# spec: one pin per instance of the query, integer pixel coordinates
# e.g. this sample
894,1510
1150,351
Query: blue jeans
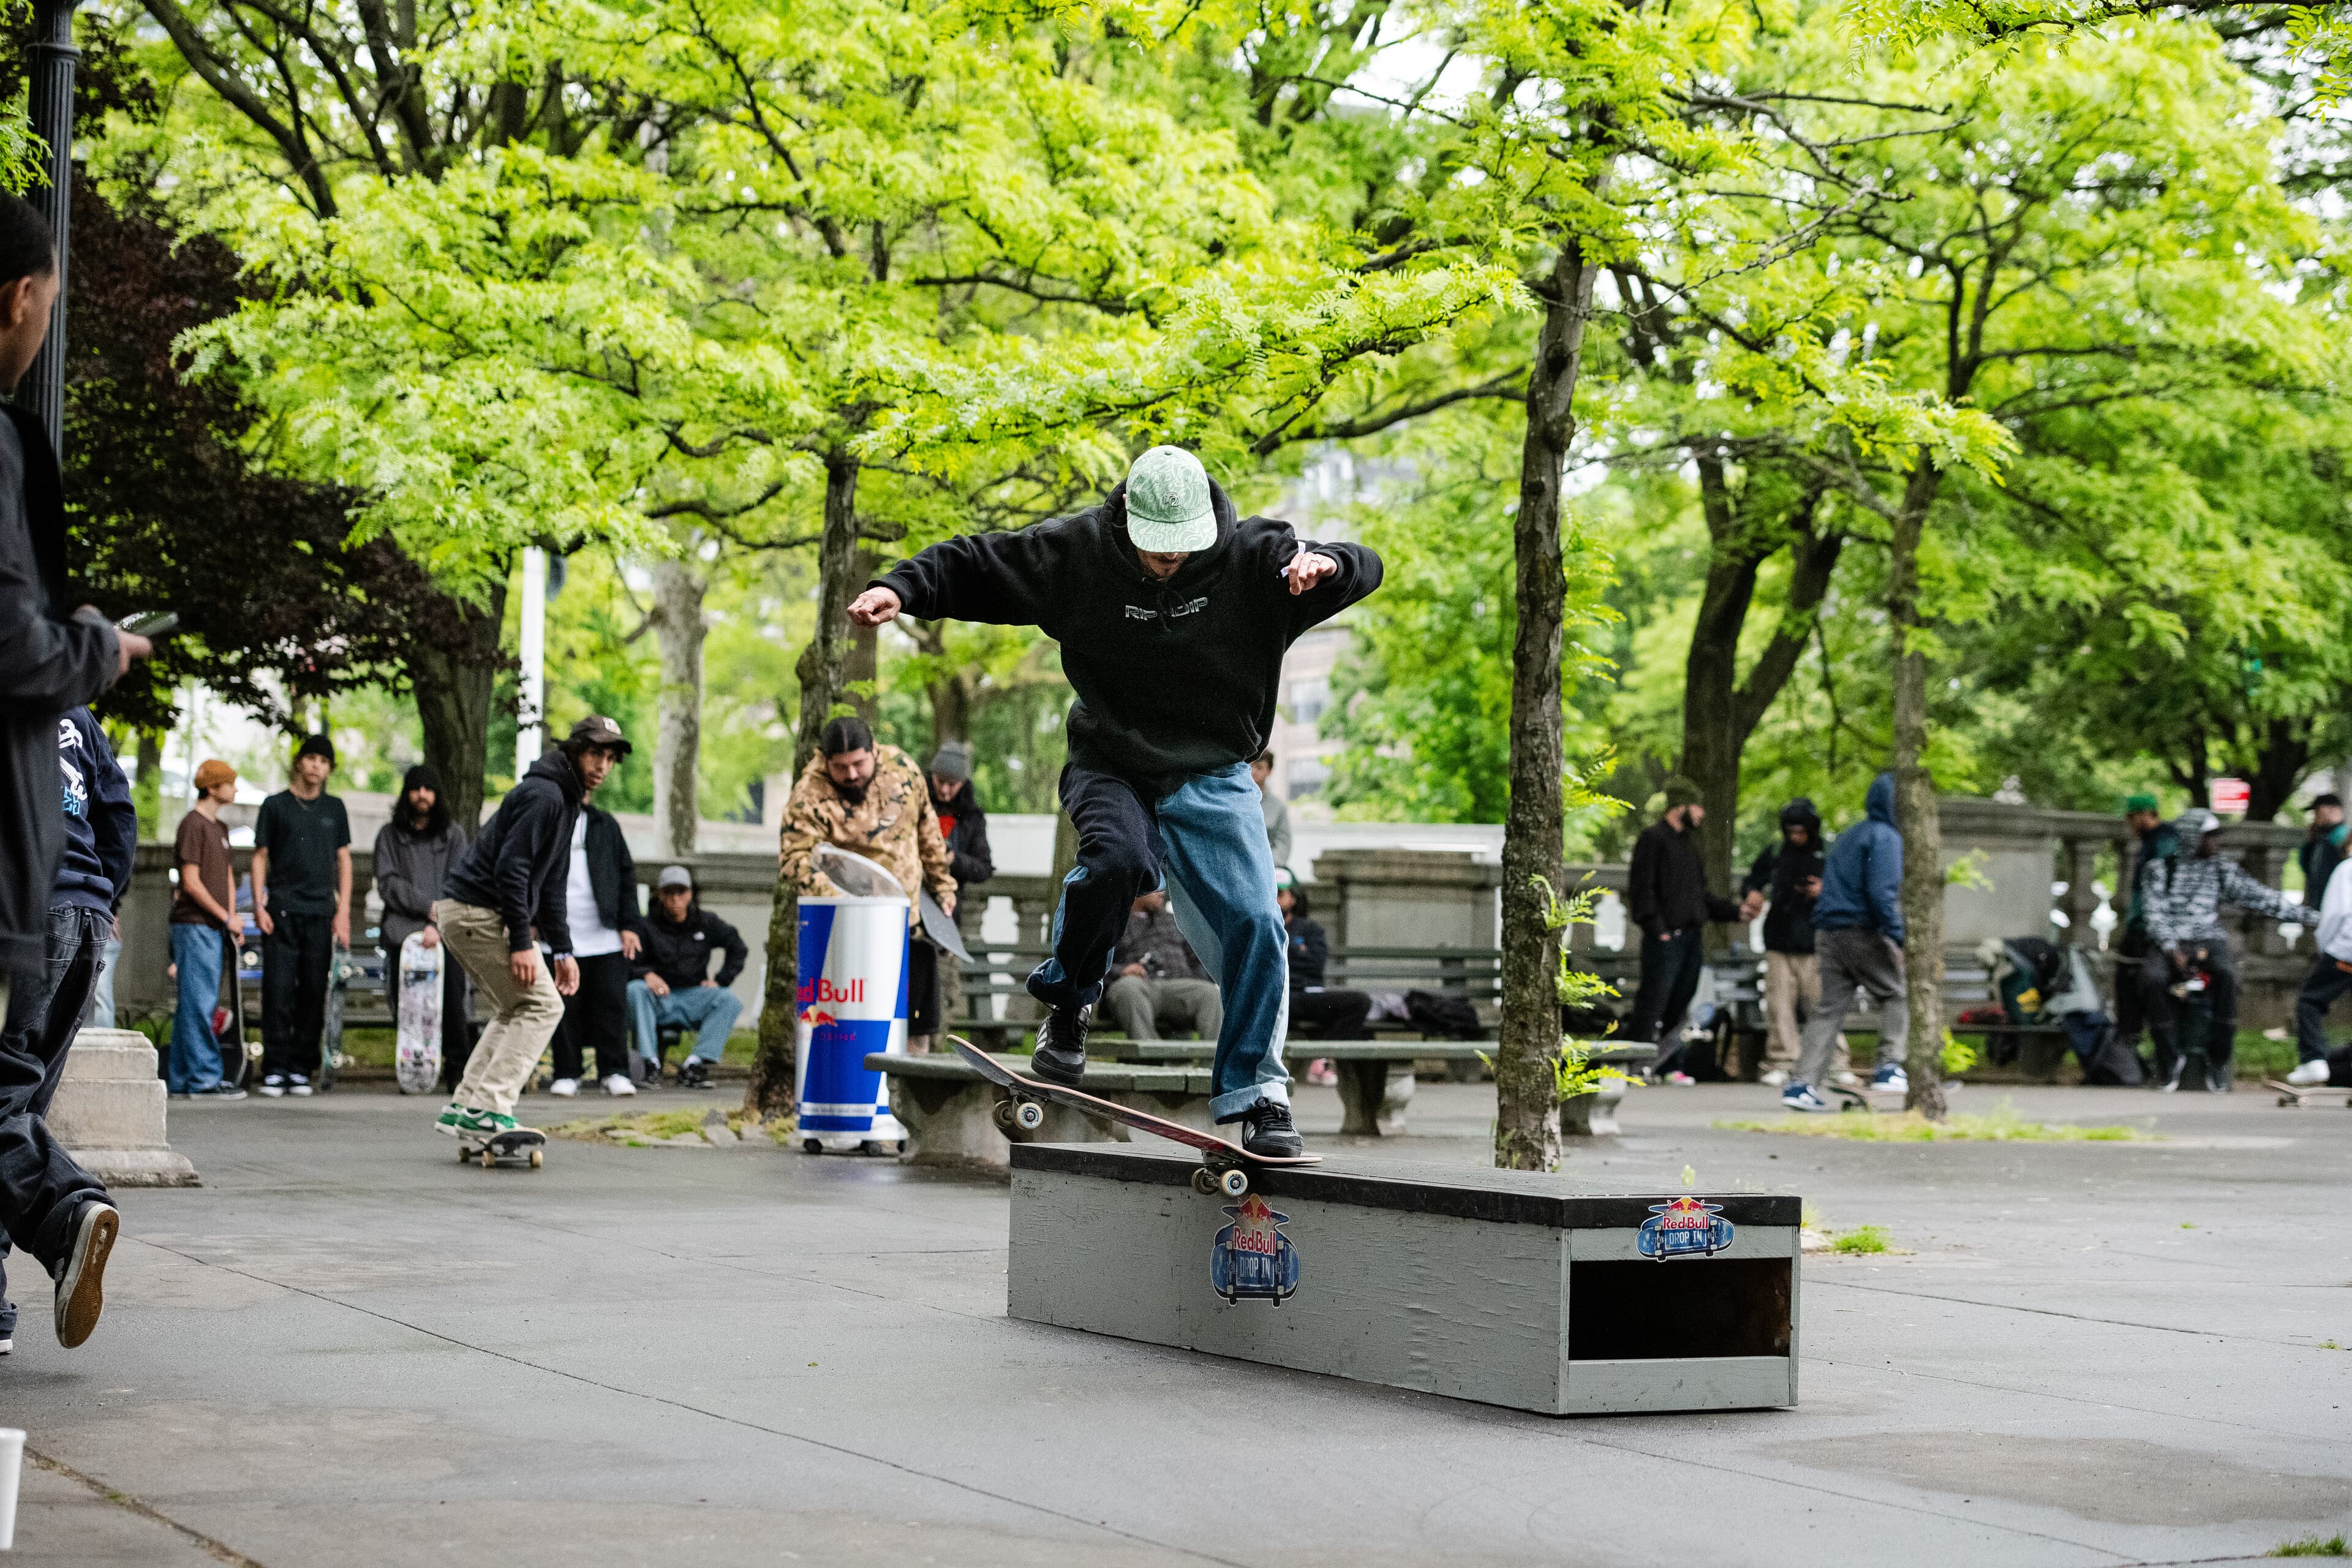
42,1187
1205,842
195,1059
710,1011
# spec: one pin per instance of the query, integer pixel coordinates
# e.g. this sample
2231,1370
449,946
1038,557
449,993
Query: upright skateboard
237,1055
524,1145
417,1051
1225,1164
2301,1095
331,1039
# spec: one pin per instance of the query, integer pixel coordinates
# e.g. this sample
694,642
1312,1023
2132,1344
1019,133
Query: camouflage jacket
894,826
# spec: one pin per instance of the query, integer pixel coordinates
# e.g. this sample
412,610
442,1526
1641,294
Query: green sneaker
452,1117
458,1120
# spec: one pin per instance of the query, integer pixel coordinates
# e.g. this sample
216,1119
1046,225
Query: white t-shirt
591,937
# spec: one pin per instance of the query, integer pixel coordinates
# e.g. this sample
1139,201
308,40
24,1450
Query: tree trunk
677,742
861,667
2285,757
1914,805
1720,708
454,679
950,692
147,793
1527,1109
770,1093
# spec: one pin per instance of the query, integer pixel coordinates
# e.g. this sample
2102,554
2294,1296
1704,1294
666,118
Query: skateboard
238,1056
1868,1099
2301,1095
331,1039
526,1144
1225,1164
417,1056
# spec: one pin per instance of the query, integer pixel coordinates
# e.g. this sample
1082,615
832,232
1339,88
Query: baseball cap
674,877
1168,505
599,731
212,773
2196,823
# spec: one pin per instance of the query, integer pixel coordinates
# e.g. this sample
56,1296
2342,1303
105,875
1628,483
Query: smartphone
153,623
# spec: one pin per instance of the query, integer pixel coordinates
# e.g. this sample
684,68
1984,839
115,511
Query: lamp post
52,95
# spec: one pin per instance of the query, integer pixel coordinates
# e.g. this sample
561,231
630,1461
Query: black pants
595,1017
2131,1006
1119,862
2165,1011
1326,1014
2321,988
41,1186
459,1030
295,959
1669,972
922,989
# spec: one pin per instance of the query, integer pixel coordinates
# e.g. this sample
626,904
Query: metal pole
52,94
528,735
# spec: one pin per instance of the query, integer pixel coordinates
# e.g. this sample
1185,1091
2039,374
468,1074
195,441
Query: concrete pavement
347,1348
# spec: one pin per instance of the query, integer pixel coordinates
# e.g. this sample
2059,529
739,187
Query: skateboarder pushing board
1173,614
510,880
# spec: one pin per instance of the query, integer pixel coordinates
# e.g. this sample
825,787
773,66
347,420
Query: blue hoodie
101,825
1862,886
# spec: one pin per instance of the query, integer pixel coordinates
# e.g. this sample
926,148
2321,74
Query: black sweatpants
295,959
2322,988
922,989
596,1017
41,1186
1326,1015
1670,973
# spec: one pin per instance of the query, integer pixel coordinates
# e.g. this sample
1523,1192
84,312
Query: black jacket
519,863
680,953
1779,874
2321,851
1666,885
968,855
53,661
1310,953
611,872
1172,677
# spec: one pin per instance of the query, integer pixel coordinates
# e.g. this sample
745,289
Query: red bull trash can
852,1003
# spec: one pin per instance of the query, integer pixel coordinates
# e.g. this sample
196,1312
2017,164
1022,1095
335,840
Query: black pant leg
605,986
282,994
40,1183
2163,1009
571,1028
1658,961
318,948
1119,860
1328,1015
1688,959
2322,989
457,1022
2222,993
922,989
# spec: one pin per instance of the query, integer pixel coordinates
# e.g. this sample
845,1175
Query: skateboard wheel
1233,1183
1029,1116
1004,1116
538,1158
464,1155
488,1159
1204,1183
812,1146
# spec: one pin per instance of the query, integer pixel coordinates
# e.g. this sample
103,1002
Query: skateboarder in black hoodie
1173,614
509,877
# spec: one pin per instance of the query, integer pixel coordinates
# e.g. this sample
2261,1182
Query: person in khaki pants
1784,880
509,880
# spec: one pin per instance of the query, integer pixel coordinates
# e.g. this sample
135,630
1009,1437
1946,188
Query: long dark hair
436,818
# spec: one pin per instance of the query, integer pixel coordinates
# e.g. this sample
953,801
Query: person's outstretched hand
874,607
1307,568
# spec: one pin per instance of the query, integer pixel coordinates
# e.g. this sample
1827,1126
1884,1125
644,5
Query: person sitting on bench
1317,1012
673,987
1156,979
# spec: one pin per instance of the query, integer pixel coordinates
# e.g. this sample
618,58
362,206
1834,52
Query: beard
853,794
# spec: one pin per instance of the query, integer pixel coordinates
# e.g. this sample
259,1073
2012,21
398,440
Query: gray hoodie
412,869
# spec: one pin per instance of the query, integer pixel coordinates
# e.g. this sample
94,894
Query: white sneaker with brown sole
81,1293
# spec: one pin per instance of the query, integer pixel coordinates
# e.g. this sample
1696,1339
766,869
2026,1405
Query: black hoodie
524,855
1172,677
1779,874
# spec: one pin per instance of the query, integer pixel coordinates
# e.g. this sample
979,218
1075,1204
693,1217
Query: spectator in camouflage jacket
870,800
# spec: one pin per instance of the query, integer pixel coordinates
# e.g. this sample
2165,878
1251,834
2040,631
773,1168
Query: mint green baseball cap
1168,505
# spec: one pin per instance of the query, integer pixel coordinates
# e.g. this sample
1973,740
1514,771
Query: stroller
2041,983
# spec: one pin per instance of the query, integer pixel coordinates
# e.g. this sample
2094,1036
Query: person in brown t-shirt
203,931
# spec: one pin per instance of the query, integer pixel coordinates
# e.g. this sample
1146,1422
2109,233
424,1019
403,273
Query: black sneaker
1061,1056
1268,1131
694,1073
81,1275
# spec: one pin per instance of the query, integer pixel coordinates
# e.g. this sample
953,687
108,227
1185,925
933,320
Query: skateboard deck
331,1039
2301,1095
236,1057
1225,1164
527,1146
417,1054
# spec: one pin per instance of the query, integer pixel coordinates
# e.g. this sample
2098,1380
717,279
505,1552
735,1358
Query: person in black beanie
1668,897
302,901
414,854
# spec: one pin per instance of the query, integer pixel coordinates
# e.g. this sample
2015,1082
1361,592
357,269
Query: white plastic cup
12,1457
